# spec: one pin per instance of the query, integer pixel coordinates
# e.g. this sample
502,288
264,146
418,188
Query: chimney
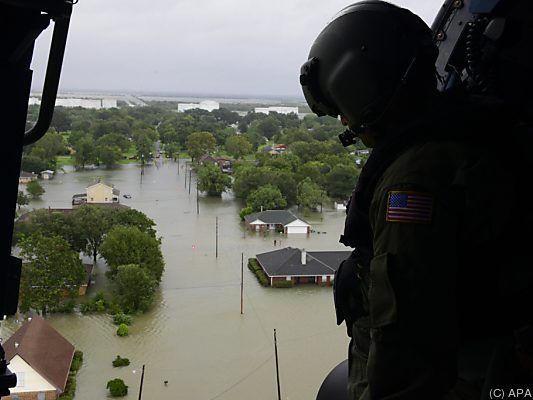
261,208
304,257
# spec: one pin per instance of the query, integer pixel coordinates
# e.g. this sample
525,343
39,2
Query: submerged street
194,336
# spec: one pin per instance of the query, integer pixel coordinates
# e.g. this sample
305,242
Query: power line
242,379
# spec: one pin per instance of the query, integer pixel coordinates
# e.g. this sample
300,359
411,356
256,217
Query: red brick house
301,266
41,358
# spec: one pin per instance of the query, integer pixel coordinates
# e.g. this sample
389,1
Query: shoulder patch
409,207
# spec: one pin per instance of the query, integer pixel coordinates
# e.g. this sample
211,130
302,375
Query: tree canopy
212,180
50,269
125,245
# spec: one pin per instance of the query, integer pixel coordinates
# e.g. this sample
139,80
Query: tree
200,143
33,163
134,288
61,120
108,155
131,217
117,387
91,223
144,145
238,146
128,245
50,269
340,180
35,190
22,199
50,223
268,127
84,152
212,180
172,150
266,198
310,195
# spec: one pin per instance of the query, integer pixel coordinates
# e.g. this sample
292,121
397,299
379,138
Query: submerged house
278,220
301,266
99,193
41,359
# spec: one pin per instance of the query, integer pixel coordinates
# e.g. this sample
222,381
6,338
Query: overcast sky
220,47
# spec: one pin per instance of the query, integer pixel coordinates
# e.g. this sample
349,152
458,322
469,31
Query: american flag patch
415,207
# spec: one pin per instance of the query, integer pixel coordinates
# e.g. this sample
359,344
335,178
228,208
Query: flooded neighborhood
194,342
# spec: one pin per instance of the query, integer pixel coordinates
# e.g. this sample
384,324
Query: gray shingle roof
282,217
287,261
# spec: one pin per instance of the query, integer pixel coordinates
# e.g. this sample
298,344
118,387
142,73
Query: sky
194,47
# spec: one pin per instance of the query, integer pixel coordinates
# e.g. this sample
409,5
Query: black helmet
362,58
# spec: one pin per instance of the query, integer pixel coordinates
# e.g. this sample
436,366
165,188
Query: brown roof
44,349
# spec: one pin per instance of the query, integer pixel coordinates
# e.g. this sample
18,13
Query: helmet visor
311,89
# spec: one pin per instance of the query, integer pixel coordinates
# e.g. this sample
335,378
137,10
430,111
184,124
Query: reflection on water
195,337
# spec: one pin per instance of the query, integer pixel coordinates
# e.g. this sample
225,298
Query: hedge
254,266
283,284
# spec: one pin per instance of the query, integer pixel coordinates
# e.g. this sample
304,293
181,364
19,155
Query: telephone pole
277,366
216,238
141,386
242,282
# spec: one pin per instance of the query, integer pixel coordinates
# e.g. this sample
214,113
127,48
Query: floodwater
194,336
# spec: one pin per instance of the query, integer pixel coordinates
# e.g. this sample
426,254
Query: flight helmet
366,56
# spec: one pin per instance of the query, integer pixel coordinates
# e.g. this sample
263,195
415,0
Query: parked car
127,196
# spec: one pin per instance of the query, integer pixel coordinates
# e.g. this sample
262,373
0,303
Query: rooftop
288,261
282,217
44,349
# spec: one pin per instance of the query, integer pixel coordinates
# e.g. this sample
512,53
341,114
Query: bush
121,318
63,307
254,266
97,304
121,362
122,330
117,387
77,361
283,284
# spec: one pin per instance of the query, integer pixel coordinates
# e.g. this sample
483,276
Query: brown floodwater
194,336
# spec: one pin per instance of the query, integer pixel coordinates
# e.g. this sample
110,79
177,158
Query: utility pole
242,281
185,175
197,199
190,175
141,386
178,163
277,366
216,238
142,167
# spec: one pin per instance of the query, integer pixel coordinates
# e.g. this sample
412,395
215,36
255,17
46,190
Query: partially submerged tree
212,180
50,270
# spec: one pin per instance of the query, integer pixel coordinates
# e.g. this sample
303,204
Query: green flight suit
430,204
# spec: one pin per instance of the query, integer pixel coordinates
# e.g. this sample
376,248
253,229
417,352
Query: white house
41,359
280,220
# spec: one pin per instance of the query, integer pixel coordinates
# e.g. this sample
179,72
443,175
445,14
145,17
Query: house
47,174
102,193
26,177
301,266
280,220
41,358
225,164
280,148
